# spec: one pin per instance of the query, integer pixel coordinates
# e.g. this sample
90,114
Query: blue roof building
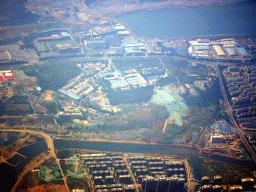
64,34
202,47
107,74
120,72
63,91
224,127
243,51
231,51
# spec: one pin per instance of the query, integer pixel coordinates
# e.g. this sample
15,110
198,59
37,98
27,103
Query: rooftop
4,55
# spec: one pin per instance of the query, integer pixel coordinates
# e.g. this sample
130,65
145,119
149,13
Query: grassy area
230,172
16,105
182,70
138,95
21,74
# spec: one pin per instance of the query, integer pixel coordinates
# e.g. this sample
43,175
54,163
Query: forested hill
13,12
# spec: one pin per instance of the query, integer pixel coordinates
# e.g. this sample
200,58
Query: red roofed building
9,76
2,78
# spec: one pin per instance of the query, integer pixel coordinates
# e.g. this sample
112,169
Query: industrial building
5,55
108,74
224,127
227,49
6,75
98,43
55,36
243,51
123,34
104,30
67,47
119,80
119,28
231,51
134,48
136,79
218,50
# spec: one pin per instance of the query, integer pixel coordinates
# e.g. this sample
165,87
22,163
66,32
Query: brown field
46,96
45,188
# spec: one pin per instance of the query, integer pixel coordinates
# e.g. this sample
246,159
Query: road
229,111
228,107
191,184
51,153
136,185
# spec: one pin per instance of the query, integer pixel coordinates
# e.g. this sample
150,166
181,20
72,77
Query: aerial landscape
128,95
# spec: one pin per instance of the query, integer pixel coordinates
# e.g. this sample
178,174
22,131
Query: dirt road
51,153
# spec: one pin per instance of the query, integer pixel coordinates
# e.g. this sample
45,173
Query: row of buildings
56,43
113,173
81,86
119,80
246,184
222,49
241,84
116,40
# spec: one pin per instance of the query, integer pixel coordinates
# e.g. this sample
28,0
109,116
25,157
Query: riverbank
192,22
113,9
126,147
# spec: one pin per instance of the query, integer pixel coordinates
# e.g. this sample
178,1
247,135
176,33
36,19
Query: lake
238,18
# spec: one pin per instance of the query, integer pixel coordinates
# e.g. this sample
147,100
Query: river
237,18
125,147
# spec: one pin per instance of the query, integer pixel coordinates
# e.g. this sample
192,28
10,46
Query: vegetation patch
210,167
49,173
16,105
53,76
138,95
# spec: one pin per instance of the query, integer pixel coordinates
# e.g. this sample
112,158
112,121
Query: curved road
51,153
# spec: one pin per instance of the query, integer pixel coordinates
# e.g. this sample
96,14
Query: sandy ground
48,96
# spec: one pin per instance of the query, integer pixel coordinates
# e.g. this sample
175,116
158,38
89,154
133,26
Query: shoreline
181,148
212,35
171,5
208,36
127,142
